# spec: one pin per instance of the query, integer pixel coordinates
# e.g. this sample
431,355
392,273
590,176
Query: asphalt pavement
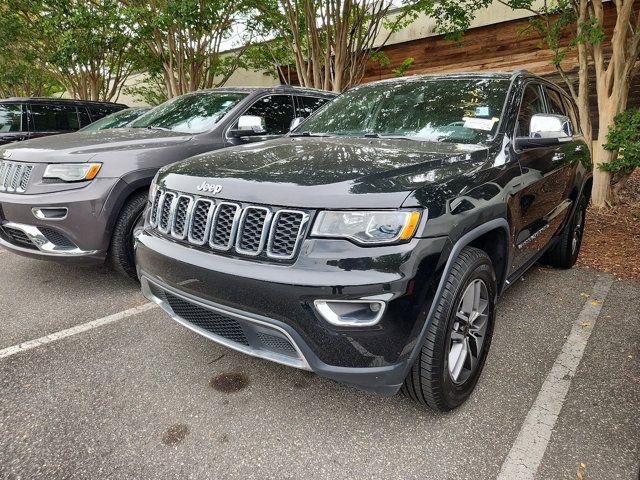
142,397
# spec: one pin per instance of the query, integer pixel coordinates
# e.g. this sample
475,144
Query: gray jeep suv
81,196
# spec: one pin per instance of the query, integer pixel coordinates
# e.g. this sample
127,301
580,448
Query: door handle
557,157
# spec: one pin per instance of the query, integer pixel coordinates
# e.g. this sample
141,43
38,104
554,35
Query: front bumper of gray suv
69,225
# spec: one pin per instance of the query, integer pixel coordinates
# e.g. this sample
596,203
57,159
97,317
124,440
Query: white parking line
9,351
527,452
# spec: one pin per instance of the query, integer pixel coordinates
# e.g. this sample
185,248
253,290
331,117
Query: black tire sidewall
455,394
573,256
121,251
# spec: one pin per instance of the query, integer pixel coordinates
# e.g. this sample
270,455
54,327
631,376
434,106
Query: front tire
459,335
121,255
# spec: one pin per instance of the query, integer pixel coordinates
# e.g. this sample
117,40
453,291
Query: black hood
329,172
84,146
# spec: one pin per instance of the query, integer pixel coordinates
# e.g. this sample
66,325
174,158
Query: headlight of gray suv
367,227
72,172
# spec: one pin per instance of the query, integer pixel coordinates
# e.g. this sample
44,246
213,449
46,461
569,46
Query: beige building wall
425,26
240,78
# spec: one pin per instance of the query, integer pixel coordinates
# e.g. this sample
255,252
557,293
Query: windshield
10,117
438,109
115,120
191,113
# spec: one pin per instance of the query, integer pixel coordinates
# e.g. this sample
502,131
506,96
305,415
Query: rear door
52,118
543,201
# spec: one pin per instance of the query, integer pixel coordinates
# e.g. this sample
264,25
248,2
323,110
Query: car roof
58,100
515,75
276,89
510,76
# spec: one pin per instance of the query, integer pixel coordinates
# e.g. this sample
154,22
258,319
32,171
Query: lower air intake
211,321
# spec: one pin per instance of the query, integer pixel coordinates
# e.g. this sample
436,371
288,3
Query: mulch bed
611,240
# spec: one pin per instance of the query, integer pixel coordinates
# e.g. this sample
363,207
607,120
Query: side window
11,117
532,103
97,112
47,118
84,116
277,111
573,114
308,105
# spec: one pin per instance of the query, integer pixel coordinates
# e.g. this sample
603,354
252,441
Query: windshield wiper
153,127
308,134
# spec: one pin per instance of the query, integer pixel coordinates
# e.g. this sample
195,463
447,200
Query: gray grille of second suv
248,230
14,176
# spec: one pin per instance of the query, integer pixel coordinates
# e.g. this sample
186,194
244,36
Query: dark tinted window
10,117
47,118
277,111
308,105
84,116
532,103
555,102
99,111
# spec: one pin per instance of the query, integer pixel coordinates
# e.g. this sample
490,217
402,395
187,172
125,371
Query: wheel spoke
471,358
467,301
457,357
477,293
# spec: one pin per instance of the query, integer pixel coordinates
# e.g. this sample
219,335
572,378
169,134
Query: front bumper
196,287
81,234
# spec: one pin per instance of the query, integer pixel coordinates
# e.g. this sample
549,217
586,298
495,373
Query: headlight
72,172
367,227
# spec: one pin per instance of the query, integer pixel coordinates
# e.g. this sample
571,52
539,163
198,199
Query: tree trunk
601,193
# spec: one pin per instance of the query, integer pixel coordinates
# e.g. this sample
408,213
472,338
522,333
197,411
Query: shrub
624,136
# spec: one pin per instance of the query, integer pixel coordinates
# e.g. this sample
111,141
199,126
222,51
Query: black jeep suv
34,117
371,244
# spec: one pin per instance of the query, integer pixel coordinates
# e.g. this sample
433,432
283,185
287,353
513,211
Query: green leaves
84,44
624,136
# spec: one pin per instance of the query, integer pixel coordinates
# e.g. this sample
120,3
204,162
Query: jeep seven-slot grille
14,176
247,230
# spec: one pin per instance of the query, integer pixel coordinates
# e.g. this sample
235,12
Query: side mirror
248,125
295,122
545,130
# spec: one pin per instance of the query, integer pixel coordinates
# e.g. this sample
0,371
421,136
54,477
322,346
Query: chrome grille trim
14,176
241,236
156,201
180,231
211,207
272,234
242,229
166,210
234,226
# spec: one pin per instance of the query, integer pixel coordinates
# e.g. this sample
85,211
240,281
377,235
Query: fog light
351,313
50,213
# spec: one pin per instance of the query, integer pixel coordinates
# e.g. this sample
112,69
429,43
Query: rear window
48,118
10,117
